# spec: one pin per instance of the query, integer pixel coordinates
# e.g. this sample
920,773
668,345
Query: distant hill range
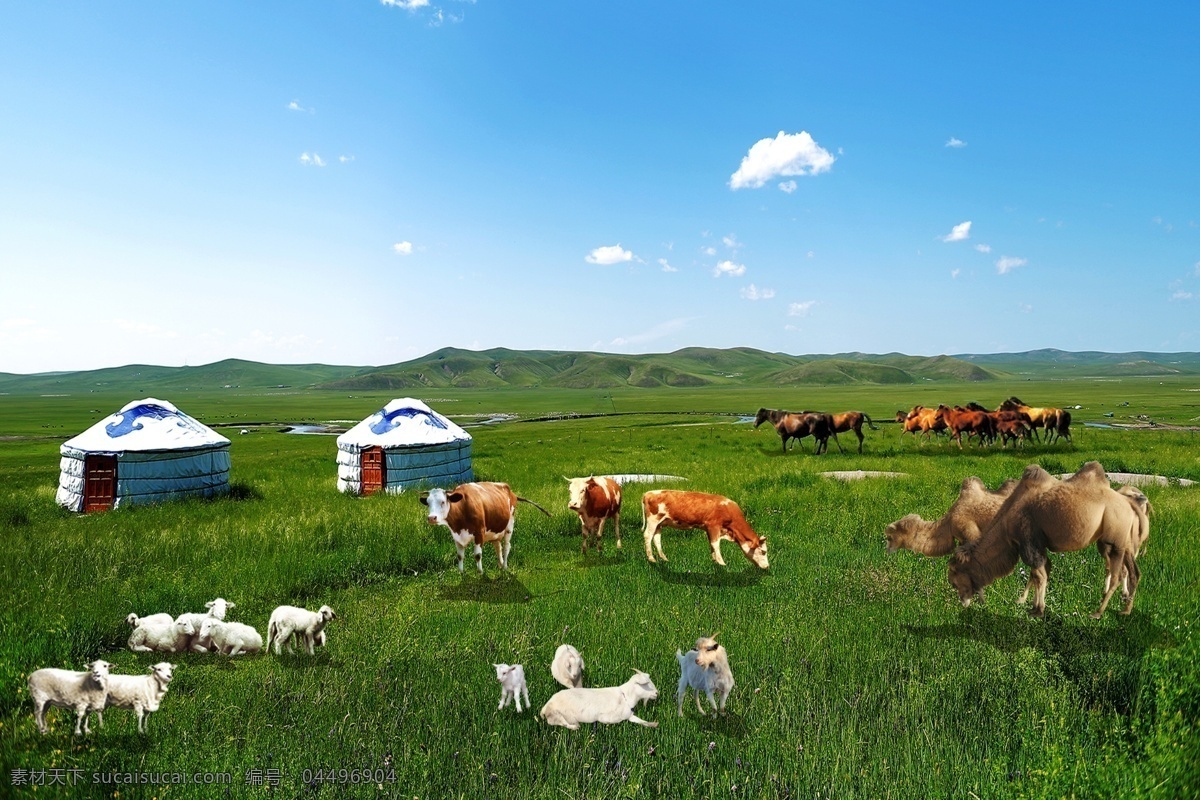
689,367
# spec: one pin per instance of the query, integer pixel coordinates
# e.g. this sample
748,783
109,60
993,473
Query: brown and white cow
477,512
719,516
596,500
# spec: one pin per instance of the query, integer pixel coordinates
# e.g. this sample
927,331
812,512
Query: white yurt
147,452
404,445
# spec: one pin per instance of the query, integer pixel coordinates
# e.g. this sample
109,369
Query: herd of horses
1012,421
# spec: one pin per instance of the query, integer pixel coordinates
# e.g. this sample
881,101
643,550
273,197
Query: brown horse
796,426
920,419
1039,418
851,421
963,420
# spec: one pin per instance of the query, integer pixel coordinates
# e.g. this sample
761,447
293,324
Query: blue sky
362,182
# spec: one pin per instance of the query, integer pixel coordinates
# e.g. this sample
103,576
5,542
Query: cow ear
424,498
454,497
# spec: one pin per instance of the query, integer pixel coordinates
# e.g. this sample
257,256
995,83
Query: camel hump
971,485
1092,470
1034,474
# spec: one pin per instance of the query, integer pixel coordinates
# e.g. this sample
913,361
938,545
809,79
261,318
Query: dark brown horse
851,421
796,426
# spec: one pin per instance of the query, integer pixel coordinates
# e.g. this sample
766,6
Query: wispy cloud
345,159
800,309
139,328
1006,264
788,187
983,248
752,292
407,5
960,232
729,268
311,160
1025,308
666,267
954,273
954,141
612,254
403,248
709,251
659,331
295,106
787,155
1182,295
731,242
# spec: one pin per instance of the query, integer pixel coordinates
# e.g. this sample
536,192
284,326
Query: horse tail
870,424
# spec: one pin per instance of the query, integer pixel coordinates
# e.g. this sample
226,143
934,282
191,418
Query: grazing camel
1044,513
851,421
796,426
966,520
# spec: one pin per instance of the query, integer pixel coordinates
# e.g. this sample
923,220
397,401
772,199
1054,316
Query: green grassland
858,673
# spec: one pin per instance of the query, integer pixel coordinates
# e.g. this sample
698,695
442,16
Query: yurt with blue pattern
147,452
404,445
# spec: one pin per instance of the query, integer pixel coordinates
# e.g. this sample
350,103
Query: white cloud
295,106
709,251
1025,308
311,160
786,155
665,266
1006,264
345,159
143,329
403,248
731,241
1182,295
959,233
16,323
729,268
956,142
788,187
613,254
659,331
800,309
983,248
752,292
811,254
407,5
954,273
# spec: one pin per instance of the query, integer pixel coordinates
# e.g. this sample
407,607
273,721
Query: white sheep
571,707
567,666
230,638
704,668
63,688
290,622
512,685
154,619
141,693
173,637
217,609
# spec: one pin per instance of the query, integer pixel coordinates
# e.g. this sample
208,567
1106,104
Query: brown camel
1044,513
966,520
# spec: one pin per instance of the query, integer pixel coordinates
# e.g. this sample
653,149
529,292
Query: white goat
141,693
704,668
62,688
230,638
154,619
172,637
612,704
217,609
512,685
289,622
567,666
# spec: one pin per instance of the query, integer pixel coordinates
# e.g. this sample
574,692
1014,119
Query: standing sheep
62,688
172,637
141,693
230,638
705,668
290,621
612,704
512,685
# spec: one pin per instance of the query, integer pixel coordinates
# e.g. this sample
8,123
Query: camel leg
1039,578
1116,562
1133,574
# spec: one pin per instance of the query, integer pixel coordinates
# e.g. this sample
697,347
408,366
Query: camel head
899,534
961,577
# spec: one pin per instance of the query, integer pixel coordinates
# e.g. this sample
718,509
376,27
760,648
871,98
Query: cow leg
462,551
658,544
584,530
648,535
599,536
714,541
478,551
507,548
617,527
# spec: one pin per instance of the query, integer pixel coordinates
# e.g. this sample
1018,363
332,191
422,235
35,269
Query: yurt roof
404,422
145,426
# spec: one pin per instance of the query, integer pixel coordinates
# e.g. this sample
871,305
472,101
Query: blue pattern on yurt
388,420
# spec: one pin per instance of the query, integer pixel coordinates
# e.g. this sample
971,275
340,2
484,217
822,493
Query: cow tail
535,505
869,423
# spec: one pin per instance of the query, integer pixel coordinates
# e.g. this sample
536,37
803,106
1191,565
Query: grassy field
859,675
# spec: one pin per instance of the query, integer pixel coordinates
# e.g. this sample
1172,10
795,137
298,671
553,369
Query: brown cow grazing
477,512
797,426
851,421
596,500
719,516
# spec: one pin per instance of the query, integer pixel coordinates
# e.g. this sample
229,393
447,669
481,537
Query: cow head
438,501
579,490
759,554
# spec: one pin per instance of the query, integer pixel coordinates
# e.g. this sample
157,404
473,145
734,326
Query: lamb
567,666
230,638
610,705
288,622
154,619
705,668
217,609
512,685
173,637
83,691
141,693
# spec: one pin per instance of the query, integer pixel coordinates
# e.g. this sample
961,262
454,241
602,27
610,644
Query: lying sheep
289,622
567,666
173,637
512,685
154,619
62,688
230,638
705,668
570,707
141,693
217,609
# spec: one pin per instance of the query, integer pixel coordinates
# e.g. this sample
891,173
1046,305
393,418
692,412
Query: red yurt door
374,472
99,482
